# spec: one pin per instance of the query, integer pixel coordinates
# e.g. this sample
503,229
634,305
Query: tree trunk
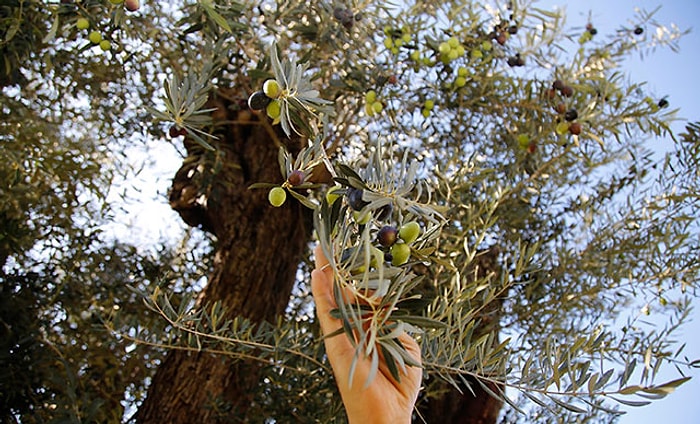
453,407
258,251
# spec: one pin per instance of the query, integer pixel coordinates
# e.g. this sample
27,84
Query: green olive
277,196
409,232
400,253
82,23
274,109
95,37
271,88
331,195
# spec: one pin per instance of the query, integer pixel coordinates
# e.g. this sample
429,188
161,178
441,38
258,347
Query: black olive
258,101
387,235
570,115
355,198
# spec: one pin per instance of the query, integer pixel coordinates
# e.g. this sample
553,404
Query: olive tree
477,175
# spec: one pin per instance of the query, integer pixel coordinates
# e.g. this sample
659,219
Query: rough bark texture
258,250
453,407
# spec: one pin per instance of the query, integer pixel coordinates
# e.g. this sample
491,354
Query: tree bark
455,407
258,251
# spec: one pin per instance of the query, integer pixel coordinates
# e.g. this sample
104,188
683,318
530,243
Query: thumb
322,291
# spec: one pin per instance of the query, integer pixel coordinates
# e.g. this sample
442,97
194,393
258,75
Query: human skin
384,400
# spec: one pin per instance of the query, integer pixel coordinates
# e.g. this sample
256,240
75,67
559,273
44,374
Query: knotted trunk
258,250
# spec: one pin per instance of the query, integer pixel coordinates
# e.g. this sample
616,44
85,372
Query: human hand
385,400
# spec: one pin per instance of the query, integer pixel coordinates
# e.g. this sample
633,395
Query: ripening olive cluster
654,105
396,38
566,119
557,95
372,105
393,243
588,34
268,99
95,36
346,16
397,242
453,51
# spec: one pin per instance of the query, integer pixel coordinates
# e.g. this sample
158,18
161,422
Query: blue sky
674,75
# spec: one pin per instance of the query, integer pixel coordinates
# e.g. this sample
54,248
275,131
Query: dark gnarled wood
257,253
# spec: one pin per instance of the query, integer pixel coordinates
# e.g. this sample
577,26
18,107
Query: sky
670,74
674,75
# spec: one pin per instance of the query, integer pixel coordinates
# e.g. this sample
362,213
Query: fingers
339,348
321,260
322,290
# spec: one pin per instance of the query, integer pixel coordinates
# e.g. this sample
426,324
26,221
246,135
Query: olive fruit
82,23
355,198
385,212
339,13
361,217
562,128
274,109
371,96
558,84
105,45
296,178
575,128
409,232
176,131
516,61
387,235
523,140
345,16
662,103
258,101
132,5
501,38
571,114
567,91
271,88
95,37
638,31
331,195
400,253
277,196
